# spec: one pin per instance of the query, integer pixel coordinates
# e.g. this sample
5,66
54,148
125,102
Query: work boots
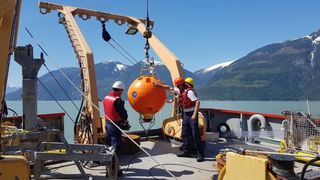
184,154
200,157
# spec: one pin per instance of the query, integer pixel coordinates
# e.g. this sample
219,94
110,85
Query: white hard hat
118,85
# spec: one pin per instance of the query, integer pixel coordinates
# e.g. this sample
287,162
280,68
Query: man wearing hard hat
190,129
114,111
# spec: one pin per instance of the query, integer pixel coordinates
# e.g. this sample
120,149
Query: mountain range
287,70
11,88
282,71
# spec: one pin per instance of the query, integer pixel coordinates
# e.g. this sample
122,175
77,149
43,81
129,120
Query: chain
148,34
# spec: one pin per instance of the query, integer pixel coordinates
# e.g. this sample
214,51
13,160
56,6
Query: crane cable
85,96
81,75
107,37
53,78
54,98
82,100
124,50
147,34
64,91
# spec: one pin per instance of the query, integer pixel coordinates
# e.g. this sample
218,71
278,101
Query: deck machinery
171,126
37,154
42,150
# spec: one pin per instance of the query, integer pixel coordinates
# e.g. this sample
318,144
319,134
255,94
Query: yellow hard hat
189,80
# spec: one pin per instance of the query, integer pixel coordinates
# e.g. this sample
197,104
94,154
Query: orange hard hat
178,81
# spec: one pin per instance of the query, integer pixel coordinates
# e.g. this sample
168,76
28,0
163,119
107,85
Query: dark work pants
190,133
113,137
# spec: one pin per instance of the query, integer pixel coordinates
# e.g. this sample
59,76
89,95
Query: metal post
30,68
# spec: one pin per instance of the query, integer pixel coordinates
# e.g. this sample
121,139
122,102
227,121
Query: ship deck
140,166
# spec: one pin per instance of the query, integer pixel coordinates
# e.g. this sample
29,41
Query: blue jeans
190,133
113,136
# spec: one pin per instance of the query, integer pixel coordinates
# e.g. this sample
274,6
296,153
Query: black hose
304,169
82,101
13,111
78,117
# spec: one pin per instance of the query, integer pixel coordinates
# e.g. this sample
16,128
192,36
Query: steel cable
84,96
120,52
124,50
61,87
54,99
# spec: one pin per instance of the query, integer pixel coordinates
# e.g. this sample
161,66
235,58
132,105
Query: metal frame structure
301,133
40,152
85,56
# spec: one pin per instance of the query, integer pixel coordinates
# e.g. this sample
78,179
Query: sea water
273,107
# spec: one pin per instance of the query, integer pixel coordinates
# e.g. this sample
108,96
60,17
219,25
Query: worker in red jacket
189,103
114,111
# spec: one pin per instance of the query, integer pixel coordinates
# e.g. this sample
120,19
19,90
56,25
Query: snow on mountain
209,72
12,88
120,67
214,67
314,37
315,40
108,62
114,65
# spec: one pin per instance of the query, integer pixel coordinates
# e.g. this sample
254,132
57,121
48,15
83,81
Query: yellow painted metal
245,167
11,167
85,58
14,167
173,125
61,151
119,19
7,38
223,172
283,147
303,157
169,59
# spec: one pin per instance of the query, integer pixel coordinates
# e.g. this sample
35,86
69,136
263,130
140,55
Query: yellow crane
9,21
85,56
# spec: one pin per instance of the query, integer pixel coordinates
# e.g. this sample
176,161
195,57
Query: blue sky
201,33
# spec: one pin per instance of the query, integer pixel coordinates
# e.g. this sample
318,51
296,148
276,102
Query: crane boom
86,61
166,56
85,56
9,21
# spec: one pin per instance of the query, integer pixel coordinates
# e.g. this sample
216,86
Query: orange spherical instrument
146,98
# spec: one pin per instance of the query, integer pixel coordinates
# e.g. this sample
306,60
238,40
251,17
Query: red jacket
109,109
185,101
